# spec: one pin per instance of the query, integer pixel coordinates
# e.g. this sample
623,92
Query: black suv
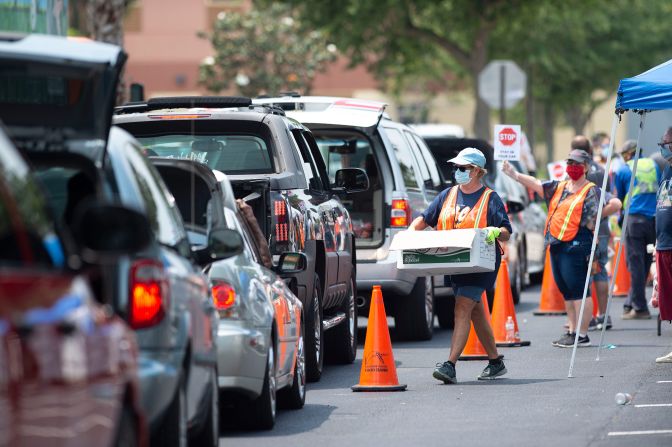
275,165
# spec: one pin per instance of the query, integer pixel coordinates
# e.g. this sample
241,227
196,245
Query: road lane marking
653,405
664,381
641,432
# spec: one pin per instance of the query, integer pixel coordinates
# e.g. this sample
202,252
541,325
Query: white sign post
507,142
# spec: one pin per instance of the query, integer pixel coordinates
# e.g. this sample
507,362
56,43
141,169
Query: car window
230,153
159,204
431,163
26,231
415,152
315,179
404,157
346,150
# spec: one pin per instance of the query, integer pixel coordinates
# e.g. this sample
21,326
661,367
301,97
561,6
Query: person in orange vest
572,212
469,204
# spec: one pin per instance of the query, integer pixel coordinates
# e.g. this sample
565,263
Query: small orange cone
622,283
596,303
502,308
378,372
551,302
474,350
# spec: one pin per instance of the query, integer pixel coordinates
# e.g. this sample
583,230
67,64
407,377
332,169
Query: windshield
227,153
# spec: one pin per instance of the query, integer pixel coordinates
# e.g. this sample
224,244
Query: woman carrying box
572,212
469,204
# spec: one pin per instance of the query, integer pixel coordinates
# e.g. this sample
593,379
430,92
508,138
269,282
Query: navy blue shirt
497,217
664,211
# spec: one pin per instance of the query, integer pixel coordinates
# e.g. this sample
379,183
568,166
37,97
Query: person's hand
654,296
509,170
493,233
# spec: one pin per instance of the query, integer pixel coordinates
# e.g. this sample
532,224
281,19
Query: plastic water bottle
510,330
623,398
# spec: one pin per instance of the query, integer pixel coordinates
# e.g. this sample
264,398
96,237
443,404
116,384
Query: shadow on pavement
506,381
287,423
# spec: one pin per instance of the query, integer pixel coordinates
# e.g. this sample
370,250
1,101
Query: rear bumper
159,372
379,267
241,357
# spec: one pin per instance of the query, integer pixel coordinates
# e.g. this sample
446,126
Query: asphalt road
534,404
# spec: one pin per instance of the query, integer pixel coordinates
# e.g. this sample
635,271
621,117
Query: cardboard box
450,252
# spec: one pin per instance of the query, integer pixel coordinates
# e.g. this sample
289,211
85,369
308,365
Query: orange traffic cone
596,303
622,283
474,350
502,308
551,302
378,372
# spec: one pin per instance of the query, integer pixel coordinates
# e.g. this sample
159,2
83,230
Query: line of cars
117,321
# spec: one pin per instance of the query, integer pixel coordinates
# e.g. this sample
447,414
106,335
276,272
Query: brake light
180,117
223,295
281,225
400,215
149,289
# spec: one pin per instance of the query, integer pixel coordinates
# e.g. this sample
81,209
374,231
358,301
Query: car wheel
342,340
263,408
127,430
173,429
314,337
414,316
295,397
445,311
209,434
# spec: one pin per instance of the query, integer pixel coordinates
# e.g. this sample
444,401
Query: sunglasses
665,143
464,168
573,162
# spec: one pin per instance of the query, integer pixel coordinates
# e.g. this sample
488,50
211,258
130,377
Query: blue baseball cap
469,156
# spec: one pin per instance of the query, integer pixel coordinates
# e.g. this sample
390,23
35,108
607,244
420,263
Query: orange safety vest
564,217
477,217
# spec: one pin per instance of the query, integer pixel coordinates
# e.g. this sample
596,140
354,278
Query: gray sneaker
493,371
445,372
600,322
637,315
563,339
592,326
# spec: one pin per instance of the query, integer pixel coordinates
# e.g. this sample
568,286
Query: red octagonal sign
507,136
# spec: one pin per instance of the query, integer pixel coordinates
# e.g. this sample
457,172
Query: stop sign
558,170
507,136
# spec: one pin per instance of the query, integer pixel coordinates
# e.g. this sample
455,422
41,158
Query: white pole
628,200
595,235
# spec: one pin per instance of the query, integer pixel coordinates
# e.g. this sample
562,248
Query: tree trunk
479,59
549,128
106,24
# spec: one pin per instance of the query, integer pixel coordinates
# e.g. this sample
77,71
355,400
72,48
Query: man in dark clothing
596,174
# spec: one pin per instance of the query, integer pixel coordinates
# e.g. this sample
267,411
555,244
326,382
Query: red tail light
149,289
400,216
281,226
223,295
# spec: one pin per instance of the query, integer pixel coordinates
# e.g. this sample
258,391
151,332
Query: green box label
459,256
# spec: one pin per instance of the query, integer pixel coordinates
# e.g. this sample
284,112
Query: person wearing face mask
469,204
662,294
572,214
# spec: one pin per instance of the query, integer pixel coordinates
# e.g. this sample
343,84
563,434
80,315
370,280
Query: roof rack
184,102
273,109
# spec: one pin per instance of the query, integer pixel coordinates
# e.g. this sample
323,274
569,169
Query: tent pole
595,236
628,200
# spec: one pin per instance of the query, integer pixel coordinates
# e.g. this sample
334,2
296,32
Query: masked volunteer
572,212
469,204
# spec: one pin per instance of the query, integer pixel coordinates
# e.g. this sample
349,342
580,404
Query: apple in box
447,252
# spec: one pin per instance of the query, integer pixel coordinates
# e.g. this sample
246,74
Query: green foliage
265,50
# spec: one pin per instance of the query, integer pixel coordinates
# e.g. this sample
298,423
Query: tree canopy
264,51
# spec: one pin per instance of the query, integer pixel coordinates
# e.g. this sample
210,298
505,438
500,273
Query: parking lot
534,404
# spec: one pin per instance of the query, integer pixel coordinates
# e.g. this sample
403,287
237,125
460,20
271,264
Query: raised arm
525,180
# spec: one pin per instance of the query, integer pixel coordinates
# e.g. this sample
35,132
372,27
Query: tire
314,336
173,430
342,340
209,433
262,410
445,311
517,285
295,397
414,316
127,430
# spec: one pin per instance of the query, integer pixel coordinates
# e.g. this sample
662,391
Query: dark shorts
472,285
569,263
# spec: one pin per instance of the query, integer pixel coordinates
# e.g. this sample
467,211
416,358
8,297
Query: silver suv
403,178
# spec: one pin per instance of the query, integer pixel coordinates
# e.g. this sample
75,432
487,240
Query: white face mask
462,177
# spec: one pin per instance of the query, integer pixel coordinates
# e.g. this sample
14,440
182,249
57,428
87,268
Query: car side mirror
106,232
291,262
223,243
351,180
